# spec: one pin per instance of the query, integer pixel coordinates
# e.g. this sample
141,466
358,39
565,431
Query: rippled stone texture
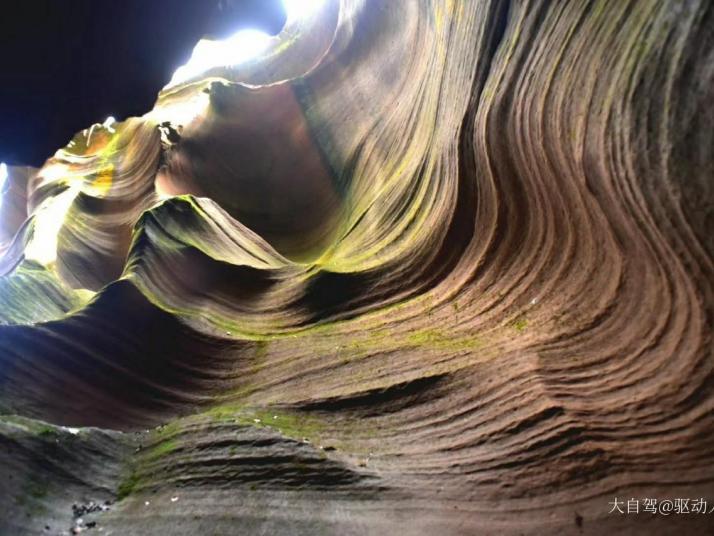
424,267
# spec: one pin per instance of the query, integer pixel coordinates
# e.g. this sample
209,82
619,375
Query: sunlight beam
3,178
300,9
239,48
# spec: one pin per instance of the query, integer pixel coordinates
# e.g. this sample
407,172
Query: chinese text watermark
663,507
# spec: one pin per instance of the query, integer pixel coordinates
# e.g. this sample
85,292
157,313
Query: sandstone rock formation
429,267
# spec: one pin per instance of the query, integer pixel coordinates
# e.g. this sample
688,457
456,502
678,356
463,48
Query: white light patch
47,222
3,178
237,49
108,124
300,9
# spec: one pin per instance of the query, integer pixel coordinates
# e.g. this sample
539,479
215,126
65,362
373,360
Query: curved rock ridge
428,267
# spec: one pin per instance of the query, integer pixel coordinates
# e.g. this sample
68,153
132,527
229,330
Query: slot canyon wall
425,267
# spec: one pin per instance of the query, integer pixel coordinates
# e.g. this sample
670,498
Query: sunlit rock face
13,201
415,267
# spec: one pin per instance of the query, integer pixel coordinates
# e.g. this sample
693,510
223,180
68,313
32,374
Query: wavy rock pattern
434,267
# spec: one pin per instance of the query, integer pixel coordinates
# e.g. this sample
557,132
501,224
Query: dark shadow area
133,365
380,401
